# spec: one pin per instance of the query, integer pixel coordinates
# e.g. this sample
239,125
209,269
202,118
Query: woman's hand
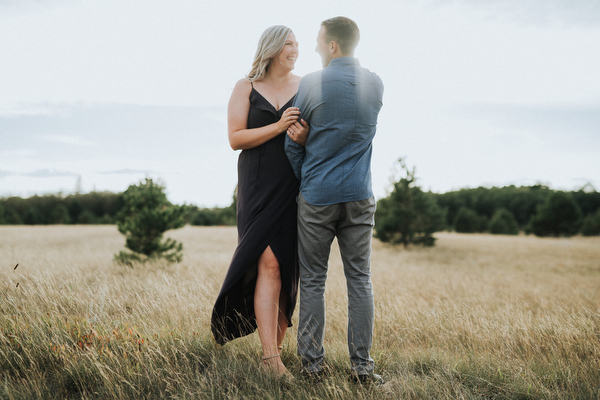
242,138
288,117
298,132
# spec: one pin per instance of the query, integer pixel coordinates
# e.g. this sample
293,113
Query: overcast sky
102,94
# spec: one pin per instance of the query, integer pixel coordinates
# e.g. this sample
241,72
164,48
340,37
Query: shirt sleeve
295,152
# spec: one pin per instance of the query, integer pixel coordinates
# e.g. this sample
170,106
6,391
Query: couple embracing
304,177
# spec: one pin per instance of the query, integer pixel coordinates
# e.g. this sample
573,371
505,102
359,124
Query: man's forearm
295,154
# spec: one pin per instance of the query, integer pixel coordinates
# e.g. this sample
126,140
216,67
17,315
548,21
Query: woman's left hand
298,132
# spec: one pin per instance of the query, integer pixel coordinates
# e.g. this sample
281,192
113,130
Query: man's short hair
344,32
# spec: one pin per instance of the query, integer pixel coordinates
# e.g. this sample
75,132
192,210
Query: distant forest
465,210
92,208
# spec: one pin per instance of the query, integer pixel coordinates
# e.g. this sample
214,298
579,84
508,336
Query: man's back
341,104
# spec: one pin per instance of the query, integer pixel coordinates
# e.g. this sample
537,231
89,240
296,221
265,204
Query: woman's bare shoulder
242,89
243,84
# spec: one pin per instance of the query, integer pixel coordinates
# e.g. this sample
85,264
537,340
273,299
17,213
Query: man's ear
333,46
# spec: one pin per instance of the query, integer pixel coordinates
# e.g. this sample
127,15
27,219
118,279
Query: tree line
410,215
407,215
94,208
533,209
89,208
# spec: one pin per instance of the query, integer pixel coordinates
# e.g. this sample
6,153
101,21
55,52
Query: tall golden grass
476,316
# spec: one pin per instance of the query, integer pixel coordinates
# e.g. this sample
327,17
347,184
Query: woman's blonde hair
271,42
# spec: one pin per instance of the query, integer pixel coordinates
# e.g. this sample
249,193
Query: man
340,103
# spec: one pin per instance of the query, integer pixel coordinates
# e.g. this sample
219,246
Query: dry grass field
475,317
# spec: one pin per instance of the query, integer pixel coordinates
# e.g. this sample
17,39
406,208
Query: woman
261,284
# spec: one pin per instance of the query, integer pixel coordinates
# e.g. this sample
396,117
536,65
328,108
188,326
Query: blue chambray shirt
340,103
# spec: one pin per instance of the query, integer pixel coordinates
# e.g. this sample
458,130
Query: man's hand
298,132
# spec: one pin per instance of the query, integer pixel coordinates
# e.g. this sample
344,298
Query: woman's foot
274,365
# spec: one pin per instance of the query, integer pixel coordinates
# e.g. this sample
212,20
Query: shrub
591,224
206,217
145,216
559,215
468,221
503,223
11,217
86,217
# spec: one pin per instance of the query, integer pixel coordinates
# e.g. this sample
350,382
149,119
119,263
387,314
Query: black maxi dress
266,216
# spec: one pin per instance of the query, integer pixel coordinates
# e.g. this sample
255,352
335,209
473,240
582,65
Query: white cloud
48,173
5,173
68,139
18,153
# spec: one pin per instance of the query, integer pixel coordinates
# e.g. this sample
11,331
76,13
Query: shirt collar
344,61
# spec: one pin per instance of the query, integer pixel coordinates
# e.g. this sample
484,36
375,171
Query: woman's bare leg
283,321
266,308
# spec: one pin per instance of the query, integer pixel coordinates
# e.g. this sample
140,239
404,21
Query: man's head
338,37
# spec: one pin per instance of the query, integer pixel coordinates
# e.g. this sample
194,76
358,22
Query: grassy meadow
475,317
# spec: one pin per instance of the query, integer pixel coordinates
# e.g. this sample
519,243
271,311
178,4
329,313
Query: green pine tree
145,216
408,215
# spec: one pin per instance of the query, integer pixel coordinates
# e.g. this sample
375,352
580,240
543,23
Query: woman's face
288,55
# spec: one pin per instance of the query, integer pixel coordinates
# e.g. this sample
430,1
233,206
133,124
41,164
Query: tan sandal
286,374
269,357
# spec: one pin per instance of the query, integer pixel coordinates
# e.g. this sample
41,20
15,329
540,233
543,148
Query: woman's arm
240,137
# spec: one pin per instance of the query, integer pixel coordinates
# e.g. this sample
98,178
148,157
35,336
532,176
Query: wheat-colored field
476,316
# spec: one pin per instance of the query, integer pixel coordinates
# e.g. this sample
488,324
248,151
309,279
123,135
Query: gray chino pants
352,224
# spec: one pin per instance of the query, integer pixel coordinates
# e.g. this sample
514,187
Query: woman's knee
268,263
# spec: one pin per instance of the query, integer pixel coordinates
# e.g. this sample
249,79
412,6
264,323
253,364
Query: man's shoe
367,379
